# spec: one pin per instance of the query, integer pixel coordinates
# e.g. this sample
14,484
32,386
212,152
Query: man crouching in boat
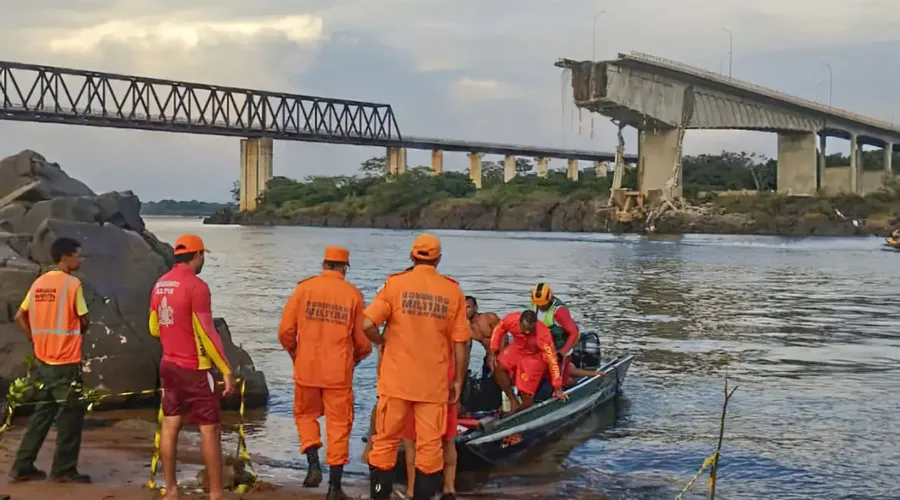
525,359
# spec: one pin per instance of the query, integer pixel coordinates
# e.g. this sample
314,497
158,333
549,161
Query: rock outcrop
122,261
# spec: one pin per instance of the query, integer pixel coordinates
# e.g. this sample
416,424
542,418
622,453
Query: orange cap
337,254
426,247
188,243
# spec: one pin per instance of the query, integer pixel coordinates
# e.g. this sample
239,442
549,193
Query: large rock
122,261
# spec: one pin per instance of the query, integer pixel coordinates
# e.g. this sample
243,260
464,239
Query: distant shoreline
576,217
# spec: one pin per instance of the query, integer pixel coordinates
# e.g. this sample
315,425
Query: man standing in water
54,316
181,316
321,328
425,314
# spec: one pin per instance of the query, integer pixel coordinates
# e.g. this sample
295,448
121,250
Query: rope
19,391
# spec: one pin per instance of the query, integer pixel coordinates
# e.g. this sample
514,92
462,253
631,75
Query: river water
807,329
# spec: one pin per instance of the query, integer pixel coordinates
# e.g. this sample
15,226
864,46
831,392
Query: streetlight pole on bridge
594,37
730,49
829,81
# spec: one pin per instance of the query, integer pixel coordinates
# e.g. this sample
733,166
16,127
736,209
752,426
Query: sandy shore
117,457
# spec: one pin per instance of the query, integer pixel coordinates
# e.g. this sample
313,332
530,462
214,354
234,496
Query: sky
456,69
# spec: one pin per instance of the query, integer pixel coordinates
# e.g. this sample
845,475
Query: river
807,329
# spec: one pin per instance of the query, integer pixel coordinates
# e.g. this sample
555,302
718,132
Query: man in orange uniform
321,328
409,445
54,316
181,316
426,317
526,359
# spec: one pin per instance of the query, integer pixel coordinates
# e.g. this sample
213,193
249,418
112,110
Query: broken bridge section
659,97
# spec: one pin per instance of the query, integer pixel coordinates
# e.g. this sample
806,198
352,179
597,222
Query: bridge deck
50,94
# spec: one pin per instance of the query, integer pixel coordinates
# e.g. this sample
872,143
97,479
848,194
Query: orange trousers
336,405
390,420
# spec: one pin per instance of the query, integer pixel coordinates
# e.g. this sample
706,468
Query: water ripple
805,327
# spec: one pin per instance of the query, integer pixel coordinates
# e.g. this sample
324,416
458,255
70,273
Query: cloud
459,69
467,88
187,36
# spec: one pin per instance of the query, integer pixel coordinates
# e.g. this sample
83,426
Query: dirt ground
117,458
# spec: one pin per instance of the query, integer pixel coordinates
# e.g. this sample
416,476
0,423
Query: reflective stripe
62,300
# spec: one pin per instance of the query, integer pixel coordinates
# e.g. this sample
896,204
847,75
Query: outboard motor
586,354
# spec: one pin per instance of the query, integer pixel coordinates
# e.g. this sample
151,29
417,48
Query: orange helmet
541,295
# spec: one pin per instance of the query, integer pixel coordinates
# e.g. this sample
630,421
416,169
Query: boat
489,438
496,439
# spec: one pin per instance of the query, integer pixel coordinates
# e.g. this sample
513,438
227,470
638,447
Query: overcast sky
457,69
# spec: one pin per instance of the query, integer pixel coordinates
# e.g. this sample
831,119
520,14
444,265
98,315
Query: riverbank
116,451
751,214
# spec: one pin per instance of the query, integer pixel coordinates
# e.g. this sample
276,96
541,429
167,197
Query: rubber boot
427,485
381,483
335,492
314,469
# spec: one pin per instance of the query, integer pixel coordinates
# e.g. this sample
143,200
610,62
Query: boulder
19,170
121,262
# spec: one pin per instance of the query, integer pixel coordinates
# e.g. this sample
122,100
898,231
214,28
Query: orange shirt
322,326
425,313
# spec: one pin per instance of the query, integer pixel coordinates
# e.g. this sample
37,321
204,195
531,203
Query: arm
153,324
545,341
21,318
362,346
564,318
201,317
81,309
497,337
376,314
287,328
460,335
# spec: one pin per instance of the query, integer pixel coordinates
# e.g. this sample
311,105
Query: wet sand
116,454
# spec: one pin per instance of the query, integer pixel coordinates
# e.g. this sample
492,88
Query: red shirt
181,316
563,318
541,342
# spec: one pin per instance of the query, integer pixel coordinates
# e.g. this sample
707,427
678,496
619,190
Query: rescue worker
449,445
54,316
426,318
525,360
556,316
181,316
321,328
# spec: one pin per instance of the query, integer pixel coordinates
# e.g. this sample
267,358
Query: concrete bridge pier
475,169
395,161
888,158
256,170
437,162
572,169
657,153
854,164
543,169
600,168
509,168
797,171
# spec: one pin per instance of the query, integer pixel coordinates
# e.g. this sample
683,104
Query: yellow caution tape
242,454
18,392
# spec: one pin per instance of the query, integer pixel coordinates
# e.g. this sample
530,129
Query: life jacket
548,318
55,325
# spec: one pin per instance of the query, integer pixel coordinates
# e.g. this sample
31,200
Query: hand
492,362
455,391
600,372
229,385
561,395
